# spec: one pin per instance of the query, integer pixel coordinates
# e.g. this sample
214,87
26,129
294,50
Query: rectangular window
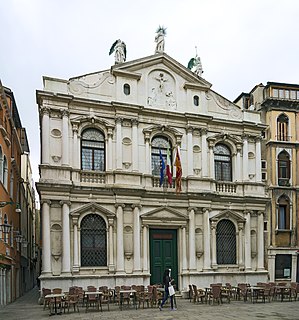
293,94
264,164
275,93
282,216
283,266
264,176
298,95
287,94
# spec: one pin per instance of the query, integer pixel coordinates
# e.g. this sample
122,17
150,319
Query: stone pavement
26,308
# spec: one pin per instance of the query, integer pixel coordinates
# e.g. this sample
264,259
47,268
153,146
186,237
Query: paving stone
27,308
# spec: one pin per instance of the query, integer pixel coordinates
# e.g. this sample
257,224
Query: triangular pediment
163,60
164,213
91,207
233,215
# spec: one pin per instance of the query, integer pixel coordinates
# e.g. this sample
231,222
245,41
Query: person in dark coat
166,282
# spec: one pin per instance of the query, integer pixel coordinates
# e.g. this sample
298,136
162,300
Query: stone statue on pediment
120,51
160,39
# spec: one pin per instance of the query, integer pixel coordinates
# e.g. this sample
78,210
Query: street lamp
19,238
5,227
5,203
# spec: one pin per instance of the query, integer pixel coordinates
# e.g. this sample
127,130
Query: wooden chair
72,300
198,294
157,296
92,300
105,296
215,294
56,302
243,291
144,297
191,293
47,301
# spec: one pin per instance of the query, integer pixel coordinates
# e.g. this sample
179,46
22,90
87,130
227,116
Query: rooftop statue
195,65
120,51
159,39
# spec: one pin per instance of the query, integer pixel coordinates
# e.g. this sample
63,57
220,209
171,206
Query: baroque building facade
109,218
278,104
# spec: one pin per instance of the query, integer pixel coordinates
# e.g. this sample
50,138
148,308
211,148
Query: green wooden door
163,254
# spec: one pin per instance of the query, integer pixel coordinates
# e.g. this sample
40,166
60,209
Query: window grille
223,163
93,150
160,143
93,241
226,242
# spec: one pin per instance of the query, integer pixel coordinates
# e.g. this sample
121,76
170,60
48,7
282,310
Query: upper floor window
160,144
196,101
223,163
5,235
5,172
93,150
226,242
282,128
93,241
283,215
1,165
283,169
127,89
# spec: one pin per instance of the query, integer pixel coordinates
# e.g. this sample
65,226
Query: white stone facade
130,104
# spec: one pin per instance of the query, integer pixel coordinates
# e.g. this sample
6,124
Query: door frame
175,266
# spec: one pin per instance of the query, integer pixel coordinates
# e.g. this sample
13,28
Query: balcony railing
165,184
93,177
228,187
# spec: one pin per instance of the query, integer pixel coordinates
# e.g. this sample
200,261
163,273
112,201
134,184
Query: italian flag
168,168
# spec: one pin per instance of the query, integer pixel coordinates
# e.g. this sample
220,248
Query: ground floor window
283,266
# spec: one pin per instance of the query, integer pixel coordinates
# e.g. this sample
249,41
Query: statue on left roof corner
120,51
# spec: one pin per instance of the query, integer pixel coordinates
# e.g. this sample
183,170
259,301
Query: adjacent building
278,105
16,203
111,217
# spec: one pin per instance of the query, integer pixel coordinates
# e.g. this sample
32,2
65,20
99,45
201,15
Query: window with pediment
93,241
226,244
93,150
223,163
160,144
282,128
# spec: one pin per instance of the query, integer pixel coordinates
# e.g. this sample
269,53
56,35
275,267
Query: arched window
93,241
127,89
223,163
283,169
11,183
93,150
160,143
196,101
282,128
226,242
283,215
5,172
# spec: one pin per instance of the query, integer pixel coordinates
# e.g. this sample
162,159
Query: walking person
167,281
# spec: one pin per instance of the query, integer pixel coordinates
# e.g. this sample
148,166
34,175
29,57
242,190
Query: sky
241,43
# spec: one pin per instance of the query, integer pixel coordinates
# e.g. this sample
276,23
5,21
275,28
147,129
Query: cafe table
55,296
123,293
87,295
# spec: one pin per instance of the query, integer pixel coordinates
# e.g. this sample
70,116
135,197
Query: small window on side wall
127,89
196,101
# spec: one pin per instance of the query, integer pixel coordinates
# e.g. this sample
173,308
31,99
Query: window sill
283,231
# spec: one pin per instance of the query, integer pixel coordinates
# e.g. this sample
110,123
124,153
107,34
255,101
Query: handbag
171,290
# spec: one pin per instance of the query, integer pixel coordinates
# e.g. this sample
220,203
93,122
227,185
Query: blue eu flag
162,169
